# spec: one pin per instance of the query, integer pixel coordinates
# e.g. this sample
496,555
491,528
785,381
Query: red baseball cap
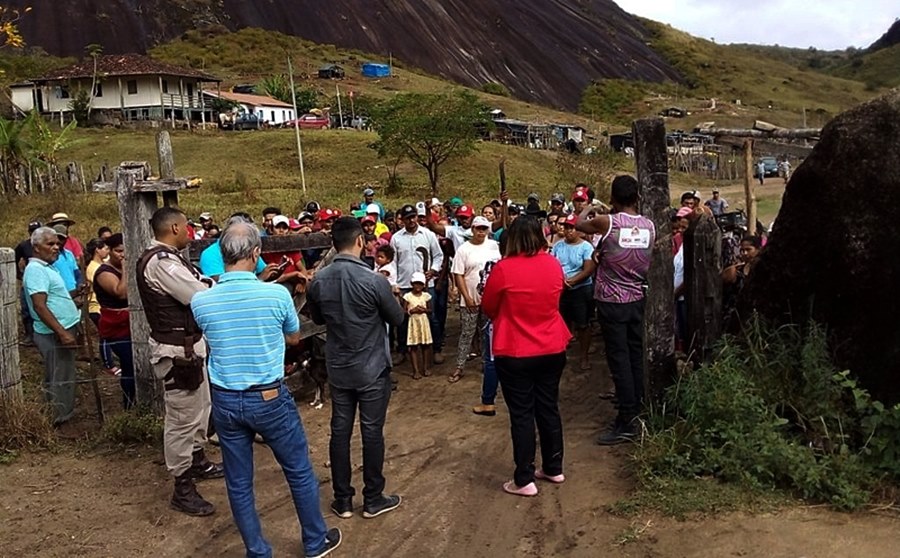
580,194
464,211
294,224
368,219
326,214
570,220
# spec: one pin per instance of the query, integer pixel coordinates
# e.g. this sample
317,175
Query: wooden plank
270,244
10,372
703,286
651,161
161,185
800,133
135,210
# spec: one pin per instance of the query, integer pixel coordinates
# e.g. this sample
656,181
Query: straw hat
60,219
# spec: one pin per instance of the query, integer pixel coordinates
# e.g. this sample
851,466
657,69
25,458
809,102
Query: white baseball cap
480,222
418,277
372,208
281,220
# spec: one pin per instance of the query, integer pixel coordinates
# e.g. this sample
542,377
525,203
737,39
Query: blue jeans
439,316
489,382
122,348
372,402
238,416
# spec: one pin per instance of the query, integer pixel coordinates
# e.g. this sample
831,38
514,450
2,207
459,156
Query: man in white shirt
457,234
416,249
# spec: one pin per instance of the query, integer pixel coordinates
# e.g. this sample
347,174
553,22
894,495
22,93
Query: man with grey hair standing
167,282
56,320
247,324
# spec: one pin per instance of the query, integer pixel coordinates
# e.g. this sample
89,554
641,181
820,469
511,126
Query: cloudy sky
824,24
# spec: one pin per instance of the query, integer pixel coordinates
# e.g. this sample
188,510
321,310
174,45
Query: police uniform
167,282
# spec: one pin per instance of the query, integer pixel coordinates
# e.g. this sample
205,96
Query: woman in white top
468,265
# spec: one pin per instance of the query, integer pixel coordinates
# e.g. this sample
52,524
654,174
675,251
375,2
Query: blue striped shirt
244,321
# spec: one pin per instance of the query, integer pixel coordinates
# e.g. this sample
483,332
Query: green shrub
135,427
771,412
494,88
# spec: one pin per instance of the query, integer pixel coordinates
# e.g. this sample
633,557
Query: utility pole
297,124
337,91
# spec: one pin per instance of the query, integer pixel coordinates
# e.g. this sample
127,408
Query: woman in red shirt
521,298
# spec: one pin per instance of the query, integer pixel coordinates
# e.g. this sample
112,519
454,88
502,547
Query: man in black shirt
24,252
355,304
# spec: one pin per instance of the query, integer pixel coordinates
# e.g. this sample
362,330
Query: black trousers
531,390
372,402
623,334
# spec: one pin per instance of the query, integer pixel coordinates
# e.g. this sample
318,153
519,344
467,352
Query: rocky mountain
889,39
546,51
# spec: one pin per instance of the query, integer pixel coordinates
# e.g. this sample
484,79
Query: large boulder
834,254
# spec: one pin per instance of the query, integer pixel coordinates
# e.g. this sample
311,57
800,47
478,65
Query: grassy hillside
876,69
251,170
772,83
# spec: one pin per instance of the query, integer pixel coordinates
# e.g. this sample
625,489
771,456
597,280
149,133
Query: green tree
81,105
13,151
279,87
429,129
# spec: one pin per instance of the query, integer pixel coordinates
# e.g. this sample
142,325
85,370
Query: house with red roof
128,86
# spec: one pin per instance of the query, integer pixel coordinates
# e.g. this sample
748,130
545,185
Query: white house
133,86
270,110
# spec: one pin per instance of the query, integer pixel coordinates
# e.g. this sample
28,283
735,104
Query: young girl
418,305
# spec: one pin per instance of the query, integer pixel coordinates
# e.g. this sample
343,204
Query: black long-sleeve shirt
354,304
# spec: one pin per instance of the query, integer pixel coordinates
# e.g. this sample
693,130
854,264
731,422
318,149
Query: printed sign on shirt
634,238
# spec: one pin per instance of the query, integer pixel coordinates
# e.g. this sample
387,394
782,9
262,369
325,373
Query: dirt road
446,462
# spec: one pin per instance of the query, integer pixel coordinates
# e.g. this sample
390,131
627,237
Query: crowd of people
529,281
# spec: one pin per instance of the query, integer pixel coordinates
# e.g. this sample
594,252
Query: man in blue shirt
369,199
247,323
56,320
577,301
212,265
66,263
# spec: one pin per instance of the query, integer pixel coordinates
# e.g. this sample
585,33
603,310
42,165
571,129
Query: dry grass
24,424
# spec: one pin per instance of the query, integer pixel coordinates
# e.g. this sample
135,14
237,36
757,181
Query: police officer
167,281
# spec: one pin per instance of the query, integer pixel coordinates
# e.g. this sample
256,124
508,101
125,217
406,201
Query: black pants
531,390
623,334
373,403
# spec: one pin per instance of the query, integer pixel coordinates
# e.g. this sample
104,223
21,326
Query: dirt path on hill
446,462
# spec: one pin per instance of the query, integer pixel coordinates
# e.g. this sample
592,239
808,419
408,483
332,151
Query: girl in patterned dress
417,304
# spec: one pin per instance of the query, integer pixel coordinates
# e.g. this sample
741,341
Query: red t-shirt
521,297
74,245
295,257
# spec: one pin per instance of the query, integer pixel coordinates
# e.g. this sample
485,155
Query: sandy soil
447,463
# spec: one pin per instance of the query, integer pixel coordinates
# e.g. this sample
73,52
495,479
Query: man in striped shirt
247,324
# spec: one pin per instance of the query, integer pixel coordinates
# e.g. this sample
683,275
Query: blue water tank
375,70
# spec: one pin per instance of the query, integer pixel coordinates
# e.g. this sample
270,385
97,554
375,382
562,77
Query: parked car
771,166
243,121
310,121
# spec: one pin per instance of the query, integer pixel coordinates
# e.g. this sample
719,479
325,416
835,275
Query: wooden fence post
10,373
166,165
703,286
749,186
651,160
135,210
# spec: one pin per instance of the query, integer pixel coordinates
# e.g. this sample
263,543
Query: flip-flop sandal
454,378
607,395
